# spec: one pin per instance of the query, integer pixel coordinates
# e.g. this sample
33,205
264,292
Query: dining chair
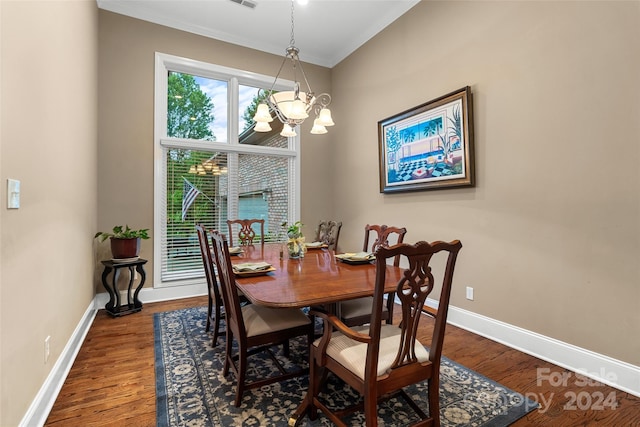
255,328
213,291
358,311
328,232
243,229
379,360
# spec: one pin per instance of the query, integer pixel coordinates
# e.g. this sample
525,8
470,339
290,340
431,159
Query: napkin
251,266
314,244
356,256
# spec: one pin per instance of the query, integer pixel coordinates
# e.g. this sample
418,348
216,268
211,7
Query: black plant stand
133,305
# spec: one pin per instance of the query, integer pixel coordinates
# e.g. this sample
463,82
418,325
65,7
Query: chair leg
286,349
228,357
391,296
315,382
433,386
370,410
242,370
209,311
216,331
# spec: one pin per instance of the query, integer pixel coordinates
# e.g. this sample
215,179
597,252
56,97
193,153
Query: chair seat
358,307
261,320
353,354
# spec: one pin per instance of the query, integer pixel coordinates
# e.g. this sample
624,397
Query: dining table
317,279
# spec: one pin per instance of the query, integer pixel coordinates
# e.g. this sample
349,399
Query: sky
217,91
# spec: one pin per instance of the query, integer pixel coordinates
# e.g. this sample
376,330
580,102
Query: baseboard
149,295
615,373
41,406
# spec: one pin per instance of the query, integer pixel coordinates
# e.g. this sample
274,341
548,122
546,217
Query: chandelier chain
292,41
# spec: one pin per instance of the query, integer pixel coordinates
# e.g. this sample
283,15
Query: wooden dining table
317,279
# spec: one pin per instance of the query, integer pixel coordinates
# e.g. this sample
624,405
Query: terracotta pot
125,248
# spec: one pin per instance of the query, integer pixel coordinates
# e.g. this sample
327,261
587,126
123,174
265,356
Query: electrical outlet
47,348
469,293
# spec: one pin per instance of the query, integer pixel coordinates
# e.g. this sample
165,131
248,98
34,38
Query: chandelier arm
322,101
273,85
304,76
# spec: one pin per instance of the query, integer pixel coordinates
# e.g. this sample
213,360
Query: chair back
383,233
415,285
207,261
245,230
227,278
328,233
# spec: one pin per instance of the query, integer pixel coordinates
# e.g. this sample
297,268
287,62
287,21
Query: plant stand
133,305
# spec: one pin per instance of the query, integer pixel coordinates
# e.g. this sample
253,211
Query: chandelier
293,107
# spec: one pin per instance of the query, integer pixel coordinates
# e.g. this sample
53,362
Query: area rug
191,391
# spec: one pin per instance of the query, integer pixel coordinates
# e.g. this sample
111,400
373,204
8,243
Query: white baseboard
618,374
148,295
41,406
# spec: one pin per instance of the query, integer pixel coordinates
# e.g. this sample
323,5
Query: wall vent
248,3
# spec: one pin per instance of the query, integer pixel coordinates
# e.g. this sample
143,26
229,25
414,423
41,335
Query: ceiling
326,31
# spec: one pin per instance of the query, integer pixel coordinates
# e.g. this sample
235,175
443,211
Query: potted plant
295,242
125,242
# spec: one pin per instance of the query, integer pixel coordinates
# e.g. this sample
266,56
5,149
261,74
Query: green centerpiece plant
295,239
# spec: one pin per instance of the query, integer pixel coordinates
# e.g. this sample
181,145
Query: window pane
196,190
196,107
263,192
248,103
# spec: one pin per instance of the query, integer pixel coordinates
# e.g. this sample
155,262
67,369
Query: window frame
164,63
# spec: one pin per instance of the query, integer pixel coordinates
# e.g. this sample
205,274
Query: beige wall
49,55
127,49
551,232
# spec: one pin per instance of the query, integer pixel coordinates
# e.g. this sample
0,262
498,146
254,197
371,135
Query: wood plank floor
112,382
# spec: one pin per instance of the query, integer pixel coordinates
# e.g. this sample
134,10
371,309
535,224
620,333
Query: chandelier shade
292,107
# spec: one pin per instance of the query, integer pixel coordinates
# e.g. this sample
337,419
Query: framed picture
428,147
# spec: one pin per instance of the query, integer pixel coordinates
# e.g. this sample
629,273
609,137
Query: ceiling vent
248,3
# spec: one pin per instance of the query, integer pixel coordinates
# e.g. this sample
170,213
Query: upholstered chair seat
259,320
358,308
352,354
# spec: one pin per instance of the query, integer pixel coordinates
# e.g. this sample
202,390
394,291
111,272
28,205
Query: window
210,165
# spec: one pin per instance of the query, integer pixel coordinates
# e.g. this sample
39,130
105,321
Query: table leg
143,276
116,273
131,278
300,412
105,274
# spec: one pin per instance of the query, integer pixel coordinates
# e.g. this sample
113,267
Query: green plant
119,232
293,230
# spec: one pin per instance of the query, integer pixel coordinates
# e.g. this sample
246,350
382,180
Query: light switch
13,194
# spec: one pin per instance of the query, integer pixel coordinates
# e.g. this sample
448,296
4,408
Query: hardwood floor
112,382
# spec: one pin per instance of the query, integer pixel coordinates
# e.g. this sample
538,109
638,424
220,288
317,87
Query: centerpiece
295,240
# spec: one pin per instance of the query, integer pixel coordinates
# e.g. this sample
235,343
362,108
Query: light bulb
262,114
325,117
262,127
298,110
317,128
288,131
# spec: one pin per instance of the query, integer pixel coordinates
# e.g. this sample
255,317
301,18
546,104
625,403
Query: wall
49,55
551,231
127,49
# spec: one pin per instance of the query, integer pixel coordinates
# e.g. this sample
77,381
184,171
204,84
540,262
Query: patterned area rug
191,391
